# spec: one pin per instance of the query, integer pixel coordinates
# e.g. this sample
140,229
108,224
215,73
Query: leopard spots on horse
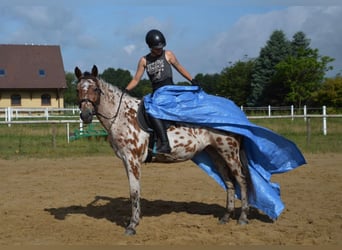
219,141
135,169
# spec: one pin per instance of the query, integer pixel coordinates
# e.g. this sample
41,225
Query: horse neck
113,104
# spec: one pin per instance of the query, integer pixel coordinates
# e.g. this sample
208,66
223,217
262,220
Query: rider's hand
194,82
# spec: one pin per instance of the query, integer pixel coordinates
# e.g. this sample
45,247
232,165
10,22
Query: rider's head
155,39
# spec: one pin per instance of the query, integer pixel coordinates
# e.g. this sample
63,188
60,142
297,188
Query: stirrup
164,149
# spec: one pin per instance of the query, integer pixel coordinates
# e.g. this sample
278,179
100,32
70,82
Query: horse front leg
134,187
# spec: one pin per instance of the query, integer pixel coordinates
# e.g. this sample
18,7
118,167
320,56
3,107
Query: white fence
66,116
9,114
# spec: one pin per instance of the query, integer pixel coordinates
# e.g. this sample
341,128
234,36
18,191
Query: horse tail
246,172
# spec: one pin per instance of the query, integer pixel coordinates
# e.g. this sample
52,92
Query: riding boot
159,128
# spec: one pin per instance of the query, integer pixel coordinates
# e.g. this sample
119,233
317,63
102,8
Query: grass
49,141
312,142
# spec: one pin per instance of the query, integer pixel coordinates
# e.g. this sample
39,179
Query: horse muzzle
87,111
86,116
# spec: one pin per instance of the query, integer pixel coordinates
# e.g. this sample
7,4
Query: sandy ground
83,201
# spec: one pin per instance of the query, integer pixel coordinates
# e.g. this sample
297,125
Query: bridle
95,105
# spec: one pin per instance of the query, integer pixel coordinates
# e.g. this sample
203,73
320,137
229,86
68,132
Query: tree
70,97
301,73
143,88
277,49
117,77
299,43
330,93
235,81
209,82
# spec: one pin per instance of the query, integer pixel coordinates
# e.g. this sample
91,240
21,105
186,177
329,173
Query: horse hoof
222,222
130,231
243,222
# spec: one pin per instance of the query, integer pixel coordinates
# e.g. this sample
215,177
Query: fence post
324,120
308,131
68,132
54,134
269,110
81,127
46,111
304,112
292,112
9,116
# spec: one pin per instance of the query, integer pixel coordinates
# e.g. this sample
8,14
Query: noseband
92,103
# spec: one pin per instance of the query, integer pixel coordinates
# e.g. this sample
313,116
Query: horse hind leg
221,166
246,185
231,155
241,179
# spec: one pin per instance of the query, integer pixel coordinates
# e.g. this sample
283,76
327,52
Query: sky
205,35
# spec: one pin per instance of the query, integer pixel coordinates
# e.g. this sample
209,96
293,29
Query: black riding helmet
155,39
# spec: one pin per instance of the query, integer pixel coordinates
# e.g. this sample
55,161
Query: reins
117,111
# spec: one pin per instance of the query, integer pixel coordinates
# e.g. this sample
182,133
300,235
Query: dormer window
2,72
41,72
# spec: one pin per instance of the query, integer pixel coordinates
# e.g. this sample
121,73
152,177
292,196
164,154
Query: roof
31,67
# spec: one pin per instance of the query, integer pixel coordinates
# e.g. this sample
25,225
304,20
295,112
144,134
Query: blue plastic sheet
267,152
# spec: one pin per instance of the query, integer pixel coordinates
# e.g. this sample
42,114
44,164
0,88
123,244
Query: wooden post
308,131
54,132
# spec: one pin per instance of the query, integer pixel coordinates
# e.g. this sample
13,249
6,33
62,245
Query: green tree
235,81
299,43
277,49
143,88
70,97
209,82
301,73
117,77
330,93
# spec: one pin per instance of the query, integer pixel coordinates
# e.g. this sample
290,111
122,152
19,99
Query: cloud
251,32
129,49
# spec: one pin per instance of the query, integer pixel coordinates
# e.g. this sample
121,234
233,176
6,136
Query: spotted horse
117,112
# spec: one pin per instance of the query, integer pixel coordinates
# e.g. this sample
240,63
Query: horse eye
98,90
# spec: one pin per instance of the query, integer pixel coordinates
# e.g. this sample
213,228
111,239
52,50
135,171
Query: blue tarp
267,152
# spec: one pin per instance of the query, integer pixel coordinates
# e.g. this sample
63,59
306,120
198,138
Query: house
31,76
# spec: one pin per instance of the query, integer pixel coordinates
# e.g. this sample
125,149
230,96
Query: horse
117,112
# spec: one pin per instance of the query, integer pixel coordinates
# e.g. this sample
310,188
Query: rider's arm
174,62
140,71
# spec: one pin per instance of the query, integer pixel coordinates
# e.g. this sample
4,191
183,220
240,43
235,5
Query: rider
158,67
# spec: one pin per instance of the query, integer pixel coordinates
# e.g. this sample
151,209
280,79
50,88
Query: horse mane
108,85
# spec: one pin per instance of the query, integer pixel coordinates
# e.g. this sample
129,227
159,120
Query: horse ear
94,71
78,72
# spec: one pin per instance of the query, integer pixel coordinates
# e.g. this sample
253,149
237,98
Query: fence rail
10,115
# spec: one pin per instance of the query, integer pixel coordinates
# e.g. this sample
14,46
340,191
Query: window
41,72
2,72
46,100
16,100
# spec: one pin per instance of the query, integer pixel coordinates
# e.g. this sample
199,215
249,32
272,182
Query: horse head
88,92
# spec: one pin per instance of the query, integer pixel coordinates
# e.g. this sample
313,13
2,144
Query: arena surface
84,201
